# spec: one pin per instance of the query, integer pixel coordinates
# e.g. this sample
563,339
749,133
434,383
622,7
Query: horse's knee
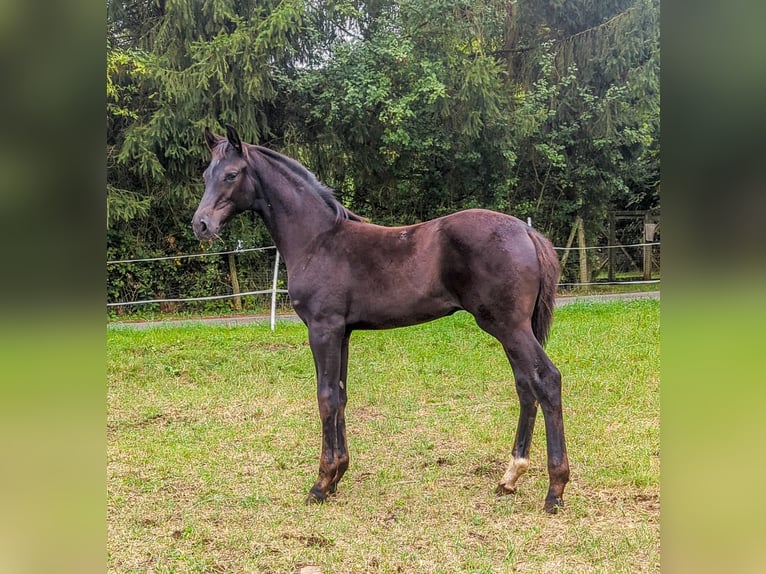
328,400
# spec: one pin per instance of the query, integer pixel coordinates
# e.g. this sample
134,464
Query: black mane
327,194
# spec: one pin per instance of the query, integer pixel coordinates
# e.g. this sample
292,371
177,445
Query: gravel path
264,319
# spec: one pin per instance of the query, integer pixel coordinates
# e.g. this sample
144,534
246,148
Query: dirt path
264,319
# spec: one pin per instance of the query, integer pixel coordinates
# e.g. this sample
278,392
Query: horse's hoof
502,490
315,497
553,505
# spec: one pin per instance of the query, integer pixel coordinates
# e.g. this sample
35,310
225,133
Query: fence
250,272
258,267
633,264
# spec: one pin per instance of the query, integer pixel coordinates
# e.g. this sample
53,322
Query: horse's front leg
342,452
327,345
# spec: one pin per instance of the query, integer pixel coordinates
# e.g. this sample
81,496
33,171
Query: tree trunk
568,245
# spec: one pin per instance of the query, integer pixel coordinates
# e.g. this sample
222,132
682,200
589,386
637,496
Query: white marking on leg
516,468
342,385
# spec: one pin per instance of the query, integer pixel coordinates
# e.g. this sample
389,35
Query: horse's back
474,242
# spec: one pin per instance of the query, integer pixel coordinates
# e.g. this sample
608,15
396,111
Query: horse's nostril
199,225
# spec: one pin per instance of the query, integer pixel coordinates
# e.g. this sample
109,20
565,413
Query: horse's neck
295,217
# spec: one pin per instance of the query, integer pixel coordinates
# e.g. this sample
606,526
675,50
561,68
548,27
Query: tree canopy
546,109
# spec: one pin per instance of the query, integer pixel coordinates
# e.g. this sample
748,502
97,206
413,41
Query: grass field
213,441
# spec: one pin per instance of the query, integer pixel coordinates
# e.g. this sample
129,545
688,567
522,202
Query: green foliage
410,110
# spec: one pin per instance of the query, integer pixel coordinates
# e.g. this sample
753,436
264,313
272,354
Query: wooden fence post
234,282
274,285
649,230
612,245
583,254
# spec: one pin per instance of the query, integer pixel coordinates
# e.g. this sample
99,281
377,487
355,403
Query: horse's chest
319,295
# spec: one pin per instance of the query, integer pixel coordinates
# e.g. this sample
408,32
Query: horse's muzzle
202,229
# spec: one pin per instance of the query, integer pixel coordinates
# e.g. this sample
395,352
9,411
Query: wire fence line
648,282
592,247
165,258
274,290
235,251
207,298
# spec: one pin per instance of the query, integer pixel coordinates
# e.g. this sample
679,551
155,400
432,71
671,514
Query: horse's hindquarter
499,269
490,243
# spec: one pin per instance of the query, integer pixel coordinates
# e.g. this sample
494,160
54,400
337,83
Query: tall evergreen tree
546,109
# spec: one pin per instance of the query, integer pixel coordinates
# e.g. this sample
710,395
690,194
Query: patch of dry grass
213,441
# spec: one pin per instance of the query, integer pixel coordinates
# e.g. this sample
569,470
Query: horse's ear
233,137
211,139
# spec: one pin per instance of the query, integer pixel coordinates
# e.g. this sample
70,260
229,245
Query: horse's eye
231,176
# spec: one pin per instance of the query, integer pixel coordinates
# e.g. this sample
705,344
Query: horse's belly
400,309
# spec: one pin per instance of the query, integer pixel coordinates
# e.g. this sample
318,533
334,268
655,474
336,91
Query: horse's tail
542,317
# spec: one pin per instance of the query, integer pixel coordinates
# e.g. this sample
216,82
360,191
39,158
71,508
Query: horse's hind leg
537,381
520,453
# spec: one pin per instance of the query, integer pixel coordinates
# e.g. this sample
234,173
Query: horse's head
229,188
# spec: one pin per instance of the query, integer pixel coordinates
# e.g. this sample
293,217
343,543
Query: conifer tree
546,109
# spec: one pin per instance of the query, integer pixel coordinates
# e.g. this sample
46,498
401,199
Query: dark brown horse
346,274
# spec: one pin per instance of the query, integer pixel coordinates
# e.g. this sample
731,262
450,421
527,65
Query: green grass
213,439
